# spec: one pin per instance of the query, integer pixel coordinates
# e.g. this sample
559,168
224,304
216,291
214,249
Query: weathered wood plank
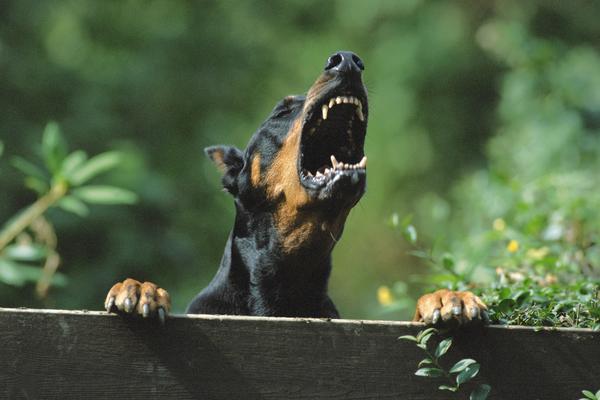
49,354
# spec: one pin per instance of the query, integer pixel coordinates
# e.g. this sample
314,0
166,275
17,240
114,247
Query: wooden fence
55,354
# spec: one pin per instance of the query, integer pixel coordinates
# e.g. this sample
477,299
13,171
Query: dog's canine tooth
334,162
324,110
363,162
359,113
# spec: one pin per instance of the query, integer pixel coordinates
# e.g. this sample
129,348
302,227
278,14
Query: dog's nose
345,62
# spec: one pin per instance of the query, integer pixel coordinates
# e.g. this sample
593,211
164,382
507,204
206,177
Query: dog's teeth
363,162
338,100
334,162
345,100
355,100
327,170
331,102
360,113
319,174
324,110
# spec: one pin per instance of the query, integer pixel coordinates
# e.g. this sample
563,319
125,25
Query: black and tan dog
294,185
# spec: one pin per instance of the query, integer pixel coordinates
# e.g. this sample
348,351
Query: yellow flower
384,296
513,246
538,254
499,224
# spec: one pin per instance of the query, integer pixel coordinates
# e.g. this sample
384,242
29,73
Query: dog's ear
230,161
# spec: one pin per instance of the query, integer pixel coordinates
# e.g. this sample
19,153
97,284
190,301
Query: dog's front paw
450,308
136,298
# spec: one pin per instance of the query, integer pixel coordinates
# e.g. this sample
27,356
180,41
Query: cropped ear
230,161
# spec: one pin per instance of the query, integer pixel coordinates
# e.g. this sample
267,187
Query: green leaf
74,205
426,361
1,148
410,234
28,168
448,261
461,365
38,186
430,372
446,387
443,347
467,374
95,166
481,392
16,274
54,148
589,394
425,332
25,252
72,163
425,338
408,337
505,305
105,195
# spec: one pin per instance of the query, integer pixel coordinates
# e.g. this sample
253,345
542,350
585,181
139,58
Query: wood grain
52,354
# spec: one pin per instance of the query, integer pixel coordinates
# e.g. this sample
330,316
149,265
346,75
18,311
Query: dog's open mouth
332,141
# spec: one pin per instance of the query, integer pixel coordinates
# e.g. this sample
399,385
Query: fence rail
56,354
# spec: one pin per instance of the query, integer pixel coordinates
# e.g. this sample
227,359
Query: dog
302,172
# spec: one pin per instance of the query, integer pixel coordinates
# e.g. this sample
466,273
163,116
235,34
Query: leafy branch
62,182
463,370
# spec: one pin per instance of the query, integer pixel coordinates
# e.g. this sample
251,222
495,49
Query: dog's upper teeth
334,162
343,100
363,162
359,112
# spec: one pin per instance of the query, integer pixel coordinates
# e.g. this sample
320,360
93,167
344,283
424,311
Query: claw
146,310
161,316
127,305
110,303
436,316
485,316
474,312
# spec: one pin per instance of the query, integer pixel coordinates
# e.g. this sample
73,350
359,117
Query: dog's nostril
333,61
358,62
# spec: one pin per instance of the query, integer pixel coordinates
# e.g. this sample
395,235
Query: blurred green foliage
524,231
159,80
28,240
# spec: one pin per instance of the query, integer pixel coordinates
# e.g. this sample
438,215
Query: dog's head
305,164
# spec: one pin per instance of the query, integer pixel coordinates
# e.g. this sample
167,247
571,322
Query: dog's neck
278,282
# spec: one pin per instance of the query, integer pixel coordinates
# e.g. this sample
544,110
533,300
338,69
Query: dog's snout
344,62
